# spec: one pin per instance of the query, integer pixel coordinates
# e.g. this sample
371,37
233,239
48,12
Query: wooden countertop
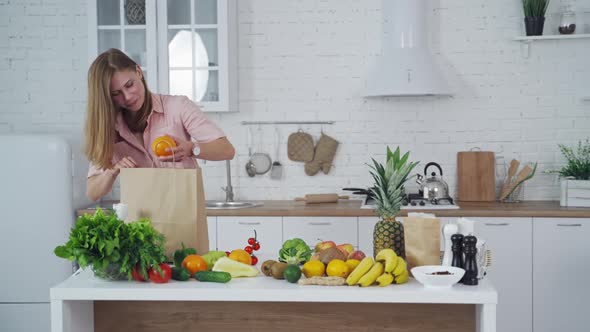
346,208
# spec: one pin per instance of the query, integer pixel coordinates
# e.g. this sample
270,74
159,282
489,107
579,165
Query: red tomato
136,275
158,278
248,249
256,246
254,260
251,241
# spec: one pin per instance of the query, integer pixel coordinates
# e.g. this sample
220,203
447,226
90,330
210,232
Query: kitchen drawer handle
249,222
315,223
498,224
569,225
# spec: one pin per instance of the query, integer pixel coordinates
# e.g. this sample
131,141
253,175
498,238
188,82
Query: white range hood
406,66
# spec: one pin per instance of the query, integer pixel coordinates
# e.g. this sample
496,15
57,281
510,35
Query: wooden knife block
476,176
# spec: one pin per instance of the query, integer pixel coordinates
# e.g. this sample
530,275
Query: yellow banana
389,259
370,277
360,270
385,279
400,266
402,278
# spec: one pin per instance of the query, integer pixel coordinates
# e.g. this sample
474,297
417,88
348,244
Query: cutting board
476,176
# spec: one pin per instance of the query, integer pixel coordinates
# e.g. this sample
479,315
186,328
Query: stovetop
416,202
410,201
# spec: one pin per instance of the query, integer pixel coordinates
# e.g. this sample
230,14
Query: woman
123,118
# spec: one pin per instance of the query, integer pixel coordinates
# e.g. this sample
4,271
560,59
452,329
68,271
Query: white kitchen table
72,301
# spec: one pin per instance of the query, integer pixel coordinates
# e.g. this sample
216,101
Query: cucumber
213,276
180,273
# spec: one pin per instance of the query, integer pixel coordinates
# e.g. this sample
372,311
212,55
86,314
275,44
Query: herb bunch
535,8
103,242
578,161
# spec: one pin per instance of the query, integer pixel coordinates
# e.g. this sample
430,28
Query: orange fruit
161,143
194,264
241,256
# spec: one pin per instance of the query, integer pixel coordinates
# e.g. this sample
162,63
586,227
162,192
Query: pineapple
388,191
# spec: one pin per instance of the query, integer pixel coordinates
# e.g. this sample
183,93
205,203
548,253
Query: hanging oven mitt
323,157
300,147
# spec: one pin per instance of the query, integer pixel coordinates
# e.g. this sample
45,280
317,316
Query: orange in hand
160,144
194,264
241,256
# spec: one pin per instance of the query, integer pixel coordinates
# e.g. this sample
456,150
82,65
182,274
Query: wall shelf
528,40
552,37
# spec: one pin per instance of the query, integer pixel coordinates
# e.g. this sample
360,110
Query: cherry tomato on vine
248,249
254,260
256,246
251,241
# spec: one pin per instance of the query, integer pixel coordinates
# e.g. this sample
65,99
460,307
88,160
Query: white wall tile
307,60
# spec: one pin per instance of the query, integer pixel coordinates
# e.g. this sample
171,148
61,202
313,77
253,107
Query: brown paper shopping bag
422,237
173,199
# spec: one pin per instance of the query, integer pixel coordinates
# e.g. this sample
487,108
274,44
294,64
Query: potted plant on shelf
389,191
575,186
534,16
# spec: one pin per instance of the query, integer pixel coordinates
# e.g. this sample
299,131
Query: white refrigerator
36,214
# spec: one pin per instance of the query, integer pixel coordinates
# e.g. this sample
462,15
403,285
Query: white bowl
424,274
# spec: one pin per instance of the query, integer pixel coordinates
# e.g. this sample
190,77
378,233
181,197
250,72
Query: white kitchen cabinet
314,229
367,225
212,230
561,257
185,47
233,233
25,317
509,240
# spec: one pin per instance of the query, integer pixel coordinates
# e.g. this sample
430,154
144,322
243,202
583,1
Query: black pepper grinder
470,277
457,240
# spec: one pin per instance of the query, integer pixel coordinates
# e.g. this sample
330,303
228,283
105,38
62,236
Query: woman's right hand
126,162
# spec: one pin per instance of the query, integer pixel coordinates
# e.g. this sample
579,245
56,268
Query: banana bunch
387,268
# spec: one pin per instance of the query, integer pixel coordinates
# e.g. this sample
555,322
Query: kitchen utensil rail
249,123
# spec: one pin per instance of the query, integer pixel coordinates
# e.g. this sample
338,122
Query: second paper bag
422,237
173,199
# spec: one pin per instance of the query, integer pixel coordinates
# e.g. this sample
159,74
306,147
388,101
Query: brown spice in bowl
441,273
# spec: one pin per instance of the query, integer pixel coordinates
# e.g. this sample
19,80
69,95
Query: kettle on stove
432,188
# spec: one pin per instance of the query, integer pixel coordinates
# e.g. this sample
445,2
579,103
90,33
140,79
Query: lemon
352,264
337,268
313,269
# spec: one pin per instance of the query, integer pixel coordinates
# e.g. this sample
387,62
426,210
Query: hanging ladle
250,168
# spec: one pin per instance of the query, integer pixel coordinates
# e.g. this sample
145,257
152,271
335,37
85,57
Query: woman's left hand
182,150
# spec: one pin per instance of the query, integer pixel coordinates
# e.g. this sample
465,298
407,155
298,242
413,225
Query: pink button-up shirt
176,116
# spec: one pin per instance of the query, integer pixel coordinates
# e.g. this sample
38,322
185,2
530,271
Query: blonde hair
101,112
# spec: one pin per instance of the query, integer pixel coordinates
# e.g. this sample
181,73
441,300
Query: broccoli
295,251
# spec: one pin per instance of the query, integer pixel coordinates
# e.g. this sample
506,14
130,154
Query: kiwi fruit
277,270
266,267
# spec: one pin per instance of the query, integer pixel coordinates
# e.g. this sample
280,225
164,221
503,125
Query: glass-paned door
195,61
128,25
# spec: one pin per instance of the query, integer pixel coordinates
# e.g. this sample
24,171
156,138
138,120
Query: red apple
324,245
357,254
346,248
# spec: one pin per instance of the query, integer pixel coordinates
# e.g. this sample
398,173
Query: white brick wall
307,60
